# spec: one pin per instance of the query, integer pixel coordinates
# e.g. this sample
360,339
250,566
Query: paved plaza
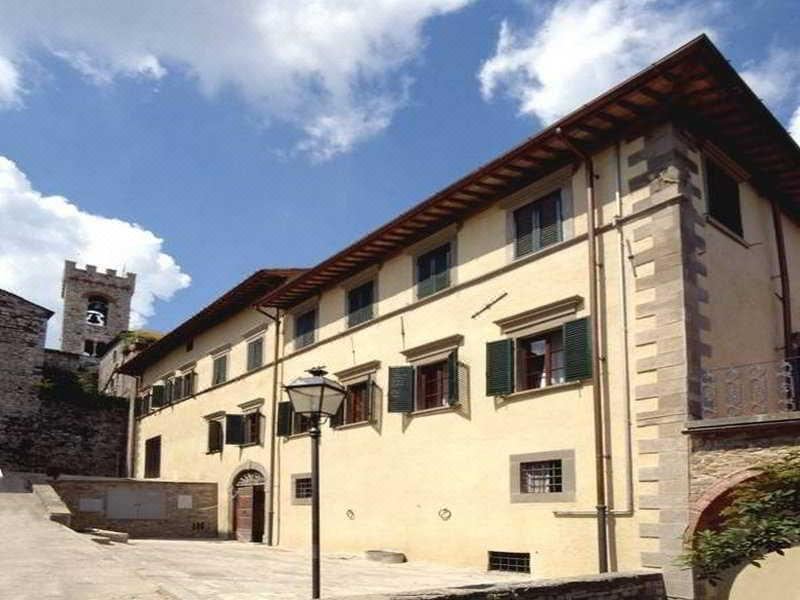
42,560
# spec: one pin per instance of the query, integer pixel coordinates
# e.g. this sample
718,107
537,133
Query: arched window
97,311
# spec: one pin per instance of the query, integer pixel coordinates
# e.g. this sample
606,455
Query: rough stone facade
79,286
23,326
719,457
188,510
617,586
667,341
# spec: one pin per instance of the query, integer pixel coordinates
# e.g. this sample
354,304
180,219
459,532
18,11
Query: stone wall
163,509
23,326
616,586
667,341
717,457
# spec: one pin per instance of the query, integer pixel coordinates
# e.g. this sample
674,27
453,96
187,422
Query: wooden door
258,513
243,513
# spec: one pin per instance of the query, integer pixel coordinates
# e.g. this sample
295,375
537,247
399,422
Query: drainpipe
272,439
623,303
130,446
786,301
600,476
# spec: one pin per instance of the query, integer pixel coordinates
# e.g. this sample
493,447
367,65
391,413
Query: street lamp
316,397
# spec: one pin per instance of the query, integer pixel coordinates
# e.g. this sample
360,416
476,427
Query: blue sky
197,145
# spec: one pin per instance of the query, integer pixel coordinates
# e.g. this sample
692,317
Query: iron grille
541,477
515,562
302,487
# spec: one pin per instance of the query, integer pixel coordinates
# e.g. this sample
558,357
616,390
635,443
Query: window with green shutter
255,353
500,367
433,270
538,224
283,427
220,370
401,389
157,396
215,436
234,429
577,350
305,326
360,301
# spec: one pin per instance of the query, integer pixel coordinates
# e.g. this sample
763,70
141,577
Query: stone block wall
78,286
721,457
184,510
616,586
23,326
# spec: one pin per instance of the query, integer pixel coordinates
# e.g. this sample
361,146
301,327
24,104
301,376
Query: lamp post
317,397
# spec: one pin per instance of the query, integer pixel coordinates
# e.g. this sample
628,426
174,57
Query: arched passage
778,578
248,502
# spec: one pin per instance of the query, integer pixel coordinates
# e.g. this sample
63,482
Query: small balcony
755,393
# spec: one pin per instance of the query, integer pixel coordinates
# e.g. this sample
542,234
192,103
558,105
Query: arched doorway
248,506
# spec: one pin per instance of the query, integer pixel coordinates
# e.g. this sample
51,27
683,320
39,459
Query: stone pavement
227,570
42,560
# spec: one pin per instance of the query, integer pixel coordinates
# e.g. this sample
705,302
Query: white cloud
331,68
10,88
776,78
794,125
40,231
582,47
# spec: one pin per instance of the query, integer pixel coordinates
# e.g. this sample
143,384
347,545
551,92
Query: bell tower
97,307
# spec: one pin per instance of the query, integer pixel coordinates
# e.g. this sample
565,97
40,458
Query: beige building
530,353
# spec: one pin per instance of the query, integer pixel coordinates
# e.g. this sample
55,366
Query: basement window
301,488
514,562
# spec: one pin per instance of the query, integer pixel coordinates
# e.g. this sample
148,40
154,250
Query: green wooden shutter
214,430
338,419
452,378
372,396
523,230
401,389
234,429
285,417
577,350
500,368
157,398
549,221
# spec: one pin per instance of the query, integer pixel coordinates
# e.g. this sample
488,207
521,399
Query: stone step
385,556
113,536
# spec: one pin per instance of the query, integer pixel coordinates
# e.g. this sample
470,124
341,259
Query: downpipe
599,442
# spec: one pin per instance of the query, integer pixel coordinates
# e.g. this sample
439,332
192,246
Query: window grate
302,487
541,477
515,562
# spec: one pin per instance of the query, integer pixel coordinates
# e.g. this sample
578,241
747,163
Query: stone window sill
727,231
434,411
558,387
352,425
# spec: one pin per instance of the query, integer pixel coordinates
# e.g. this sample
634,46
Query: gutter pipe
276,318
599,442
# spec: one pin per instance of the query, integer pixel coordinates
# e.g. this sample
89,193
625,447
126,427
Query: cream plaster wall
397,474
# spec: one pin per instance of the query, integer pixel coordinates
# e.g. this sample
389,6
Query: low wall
53,504
615,586
142,509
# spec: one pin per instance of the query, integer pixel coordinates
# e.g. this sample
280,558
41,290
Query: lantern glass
316,395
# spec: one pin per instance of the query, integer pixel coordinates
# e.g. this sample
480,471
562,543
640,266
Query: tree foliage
762,517
77,387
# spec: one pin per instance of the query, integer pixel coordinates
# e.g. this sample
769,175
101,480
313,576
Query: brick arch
707,507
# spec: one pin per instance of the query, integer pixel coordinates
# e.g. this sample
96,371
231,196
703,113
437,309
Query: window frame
250,343
735,229
519,358
214,360
368,315
450,244
252,422
443,381
303,340
301,500
567,493
151,470
531,205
